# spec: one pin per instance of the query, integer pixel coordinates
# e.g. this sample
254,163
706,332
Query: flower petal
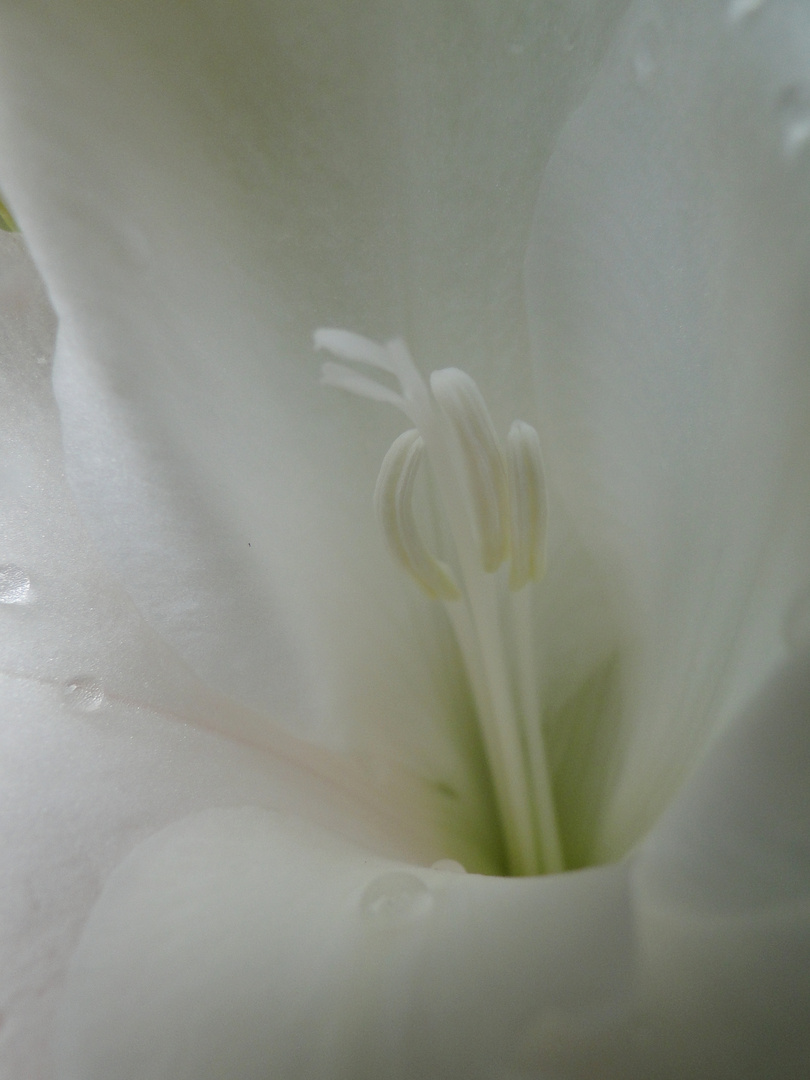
203,184
103,734
239,943
667,281
722,889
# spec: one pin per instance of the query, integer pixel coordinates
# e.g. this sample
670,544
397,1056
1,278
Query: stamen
527,505
493,504
351,346
411,382
344,378
461,402
393,358
393,498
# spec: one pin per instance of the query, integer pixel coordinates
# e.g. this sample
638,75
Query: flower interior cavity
492,534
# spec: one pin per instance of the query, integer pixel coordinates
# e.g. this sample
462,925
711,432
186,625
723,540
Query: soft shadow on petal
202,185
722,895
667,285
103,734
241,943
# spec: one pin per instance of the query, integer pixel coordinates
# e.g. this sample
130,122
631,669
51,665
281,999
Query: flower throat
493,501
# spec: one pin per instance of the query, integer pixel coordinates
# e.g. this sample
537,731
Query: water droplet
796,625
645,58
449,866
15,585
85,694
396,898
794,115
741,9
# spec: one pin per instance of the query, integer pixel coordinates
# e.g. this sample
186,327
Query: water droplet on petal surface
396,898
85,694
15,585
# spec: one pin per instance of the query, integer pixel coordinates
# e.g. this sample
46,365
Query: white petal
204,184
722,888
237,943
667,281
103,734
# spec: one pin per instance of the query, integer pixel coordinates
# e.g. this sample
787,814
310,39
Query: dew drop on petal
15,585
793,108
737,10
396,898
84,693
449,866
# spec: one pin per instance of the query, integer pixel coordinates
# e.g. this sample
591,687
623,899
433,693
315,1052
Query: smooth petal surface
683,477
203,184
667,277
238,940
235,943
104,733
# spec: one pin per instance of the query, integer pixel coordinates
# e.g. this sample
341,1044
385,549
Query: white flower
235,736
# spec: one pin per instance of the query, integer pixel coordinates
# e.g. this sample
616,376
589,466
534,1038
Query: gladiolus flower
273,807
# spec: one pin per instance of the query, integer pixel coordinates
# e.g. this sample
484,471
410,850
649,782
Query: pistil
494,505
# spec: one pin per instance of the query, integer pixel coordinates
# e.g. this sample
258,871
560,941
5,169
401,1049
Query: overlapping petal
235,938
105,735
202,186
668,276
205,184
721,892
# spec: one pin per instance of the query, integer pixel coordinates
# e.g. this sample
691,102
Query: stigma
492,538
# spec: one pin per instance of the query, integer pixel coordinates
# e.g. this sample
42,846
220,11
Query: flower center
493,504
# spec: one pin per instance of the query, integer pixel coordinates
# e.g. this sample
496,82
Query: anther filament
493,498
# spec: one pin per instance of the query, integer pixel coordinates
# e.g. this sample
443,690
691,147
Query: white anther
461,402
494,503
393,501
527,505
